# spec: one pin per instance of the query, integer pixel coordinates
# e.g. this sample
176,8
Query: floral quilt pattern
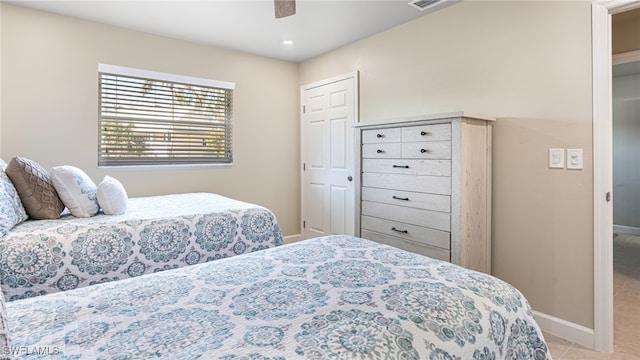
335,297
39,257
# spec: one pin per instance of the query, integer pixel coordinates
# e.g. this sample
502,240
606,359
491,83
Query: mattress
335,297
157,233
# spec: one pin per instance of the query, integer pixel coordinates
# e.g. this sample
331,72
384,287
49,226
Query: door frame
354,75
601,11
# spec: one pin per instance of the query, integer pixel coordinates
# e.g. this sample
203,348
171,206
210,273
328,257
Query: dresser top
409,120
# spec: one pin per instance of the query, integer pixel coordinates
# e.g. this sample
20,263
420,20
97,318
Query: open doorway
602,10
626,180
626,146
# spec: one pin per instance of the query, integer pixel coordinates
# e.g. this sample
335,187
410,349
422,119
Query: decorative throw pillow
112,196
5,340
12,212
35,189
76,190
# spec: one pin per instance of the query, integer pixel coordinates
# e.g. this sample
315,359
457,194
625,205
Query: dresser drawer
419,234
381,136
416,183
405,198
381,151
408,245
408,167
427,218
427,150
426,133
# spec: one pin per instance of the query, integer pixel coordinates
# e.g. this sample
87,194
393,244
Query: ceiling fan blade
284,8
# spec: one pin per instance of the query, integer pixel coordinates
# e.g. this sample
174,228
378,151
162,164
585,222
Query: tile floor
626,298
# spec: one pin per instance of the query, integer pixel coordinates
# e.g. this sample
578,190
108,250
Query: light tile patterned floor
626,298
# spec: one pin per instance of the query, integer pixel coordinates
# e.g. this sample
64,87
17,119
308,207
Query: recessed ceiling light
287,42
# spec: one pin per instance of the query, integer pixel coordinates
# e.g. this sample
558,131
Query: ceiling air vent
425,4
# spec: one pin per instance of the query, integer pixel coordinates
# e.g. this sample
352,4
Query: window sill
164,167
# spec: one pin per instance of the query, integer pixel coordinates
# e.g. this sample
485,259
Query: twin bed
39,257
334,297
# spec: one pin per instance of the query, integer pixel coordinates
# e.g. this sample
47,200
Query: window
151,118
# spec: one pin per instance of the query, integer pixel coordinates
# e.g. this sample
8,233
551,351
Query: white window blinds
150,118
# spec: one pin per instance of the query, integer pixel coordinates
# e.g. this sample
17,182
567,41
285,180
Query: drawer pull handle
401,166
379,151
424,151
423,133
399,198
379,136
399,231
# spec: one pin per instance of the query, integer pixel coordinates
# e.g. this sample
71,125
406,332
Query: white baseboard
292,238
566,330
629,230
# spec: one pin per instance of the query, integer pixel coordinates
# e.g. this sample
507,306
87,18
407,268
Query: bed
39,257
335,297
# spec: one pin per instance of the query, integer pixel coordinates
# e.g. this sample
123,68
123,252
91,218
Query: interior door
329,181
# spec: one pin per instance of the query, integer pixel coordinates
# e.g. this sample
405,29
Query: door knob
350,178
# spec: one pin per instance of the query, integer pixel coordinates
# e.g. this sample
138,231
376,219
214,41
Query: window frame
166,161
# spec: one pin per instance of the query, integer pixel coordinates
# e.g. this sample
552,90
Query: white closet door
328,157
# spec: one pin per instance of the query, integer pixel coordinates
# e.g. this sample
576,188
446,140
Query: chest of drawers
426,186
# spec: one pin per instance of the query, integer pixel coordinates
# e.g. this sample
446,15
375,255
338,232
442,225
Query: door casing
354,77
601,11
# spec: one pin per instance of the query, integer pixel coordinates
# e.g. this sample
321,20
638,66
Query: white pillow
112,196
76,190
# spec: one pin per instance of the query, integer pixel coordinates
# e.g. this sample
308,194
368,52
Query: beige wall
626,27
49,107
528,64
0,80
626,147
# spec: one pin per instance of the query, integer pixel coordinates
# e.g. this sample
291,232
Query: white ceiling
246,25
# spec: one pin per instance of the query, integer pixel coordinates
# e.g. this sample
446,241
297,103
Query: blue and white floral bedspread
156,233
334,297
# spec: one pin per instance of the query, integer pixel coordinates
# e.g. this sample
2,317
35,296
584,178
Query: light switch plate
574,159
556,158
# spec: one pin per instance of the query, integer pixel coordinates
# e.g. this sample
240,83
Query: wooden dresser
426,186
